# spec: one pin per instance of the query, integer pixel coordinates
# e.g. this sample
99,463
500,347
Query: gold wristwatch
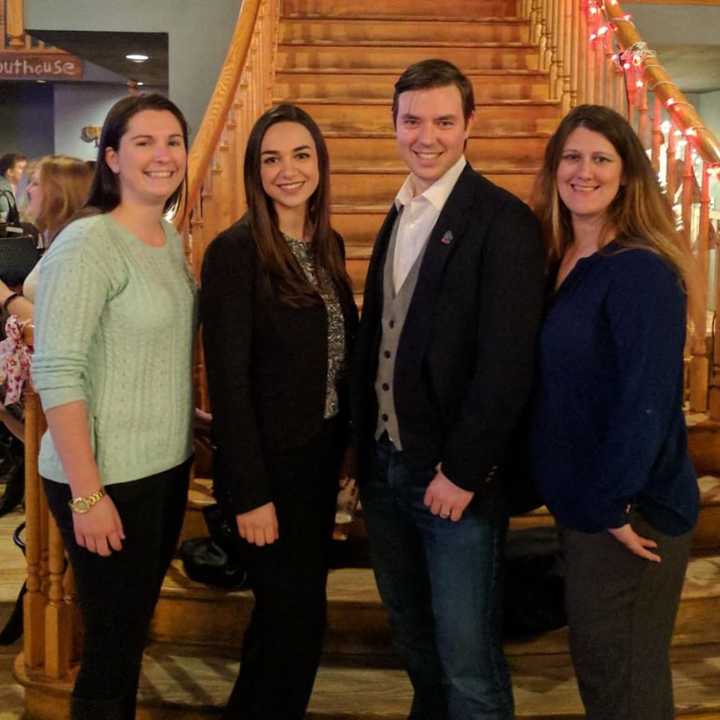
81,505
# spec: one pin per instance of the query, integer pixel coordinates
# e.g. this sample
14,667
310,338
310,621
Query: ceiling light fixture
138,57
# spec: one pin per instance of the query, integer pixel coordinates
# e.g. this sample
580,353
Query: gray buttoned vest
395,309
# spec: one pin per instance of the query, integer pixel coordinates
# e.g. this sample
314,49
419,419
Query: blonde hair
639,216
65,183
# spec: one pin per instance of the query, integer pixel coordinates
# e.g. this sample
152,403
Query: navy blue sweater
608,429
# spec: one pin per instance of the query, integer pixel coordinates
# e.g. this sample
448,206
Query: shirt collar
438,193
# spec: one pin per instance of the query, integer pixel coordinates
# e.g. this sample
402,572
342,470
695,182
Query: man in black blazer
442,374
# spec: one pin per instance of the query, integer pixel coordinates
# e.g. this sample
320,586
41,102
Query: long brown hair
639,216
65,184
287,277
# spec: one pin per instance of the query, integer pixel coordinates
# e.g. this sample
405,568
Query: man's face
431,132
14,173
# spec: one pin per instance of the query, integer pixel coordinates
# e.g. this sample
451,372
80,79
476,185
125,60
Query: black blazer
266,367
464,366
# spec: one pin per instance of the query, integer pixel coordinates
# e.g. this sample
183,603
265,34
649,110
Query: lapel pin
447,238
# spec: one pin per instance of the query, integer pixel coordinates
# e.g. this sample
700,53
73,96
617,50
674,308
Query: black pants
117,594
283,643
621,612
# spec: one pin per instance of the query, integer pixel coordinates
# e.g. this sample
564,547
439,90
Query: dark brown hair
285,274
433,73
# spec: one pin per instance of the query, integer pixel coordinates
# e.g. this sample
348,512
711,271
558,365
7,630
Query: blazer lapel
374,282
445,237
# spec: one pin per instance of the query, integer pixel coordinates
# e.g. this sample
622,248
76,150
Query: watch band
81,505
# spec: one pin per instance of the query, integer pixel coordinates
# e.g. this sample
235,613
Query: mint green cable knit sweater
114,326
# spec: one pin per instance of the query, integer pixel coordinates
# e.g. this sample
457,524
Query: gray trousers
621,612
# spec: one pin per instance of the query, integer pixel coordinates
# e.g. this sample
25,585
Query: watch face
81,505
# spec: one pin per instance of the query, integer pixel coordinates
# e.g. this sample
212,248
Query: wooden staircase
341,67
339,59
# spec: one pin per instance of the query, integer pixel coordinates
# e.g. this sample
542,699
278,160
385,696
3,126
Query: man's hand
259,526
100,529
445,498
634,543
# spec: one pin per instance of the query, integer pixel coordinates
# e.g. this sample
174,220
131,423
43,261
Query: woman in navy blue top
608,438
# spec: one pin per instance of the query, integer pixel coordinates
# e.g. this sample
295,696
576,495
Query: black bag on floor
534,598
215,560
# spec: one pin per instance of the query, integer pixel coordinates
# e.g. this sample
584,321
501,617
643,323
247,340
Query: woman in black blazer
278,323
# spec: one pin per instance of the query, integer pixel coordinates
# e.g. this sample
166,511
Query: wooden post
58,614
643,119
16,23
657,134
34,603
670,164
583,56
575,40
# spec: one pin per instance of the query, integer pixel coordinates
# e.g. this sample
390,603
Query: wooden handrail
610,64
661,84
215,118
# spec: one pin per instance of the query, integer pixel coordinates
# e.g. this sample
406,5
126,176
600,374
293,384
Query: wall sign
40,66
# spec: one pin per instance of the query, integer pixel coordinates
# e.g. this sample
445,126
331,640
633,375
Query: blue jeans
440,581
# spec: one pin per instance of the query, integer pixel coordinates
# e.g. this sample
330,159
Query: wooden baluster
699,362
657,134
671,164
556,68
536,24
704,240
583,55
544,37
15,24
566,46
238,155
58,614
599,70
608,71
75,619
575,60
643,117
688,181
34,603
620,96
196,235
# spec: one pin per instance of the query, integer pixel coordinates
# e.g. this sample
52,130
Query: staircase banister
660,83
208,136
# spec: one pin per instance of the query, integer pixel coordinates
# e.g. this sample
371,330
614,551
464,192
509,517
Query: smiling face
589,175
289,167
151,158
431,132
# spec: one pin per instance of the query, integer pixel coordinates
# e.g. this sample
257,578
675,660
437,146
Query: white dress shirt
418,215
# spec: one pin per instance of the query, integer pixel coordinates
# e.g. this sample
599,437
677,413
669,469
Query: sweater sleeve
227,310
646,314
74,286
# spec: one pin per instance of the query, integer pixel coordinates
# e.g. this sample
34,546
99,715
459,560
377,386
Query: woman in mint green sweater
115,319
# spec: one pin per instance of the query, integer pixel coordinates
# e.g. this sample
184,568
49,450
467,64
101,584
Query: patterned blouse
336,322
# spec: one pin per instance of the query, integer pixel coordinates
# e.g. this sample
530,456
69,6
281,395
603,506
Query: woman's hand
100,529
349,467
202,422
259,526
634,543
